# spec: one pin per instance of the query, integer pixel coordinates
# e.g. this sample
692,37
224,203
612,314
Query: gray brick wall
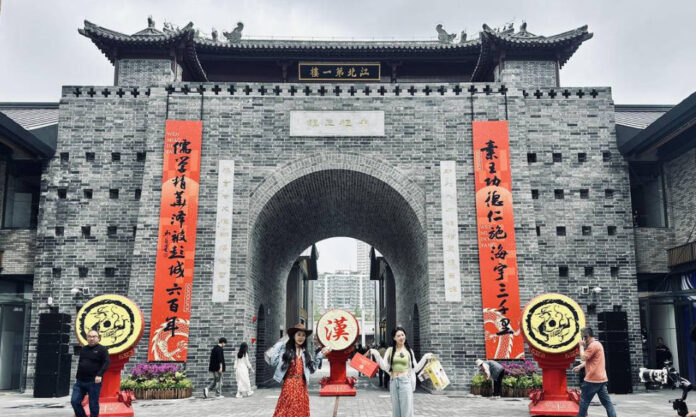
681,182
19,246
651,249
528,73
291,192
147,72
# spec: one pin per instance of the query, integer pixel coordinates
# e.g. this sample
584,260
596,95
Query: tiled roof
31,115
639,116
205,44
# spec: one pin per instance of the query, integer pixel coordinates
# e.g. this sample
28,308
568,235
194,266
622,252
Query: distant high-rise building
363,257
349,290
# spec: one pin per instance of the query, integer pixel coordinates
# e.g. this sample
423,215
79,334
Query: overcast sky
644,50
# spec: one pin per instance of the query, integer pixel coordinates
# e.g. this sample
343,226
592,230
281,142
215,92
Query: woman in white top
402,368
242,367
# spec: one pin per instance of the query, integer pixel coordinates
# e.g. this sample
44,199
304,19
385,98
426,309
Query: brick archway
333,195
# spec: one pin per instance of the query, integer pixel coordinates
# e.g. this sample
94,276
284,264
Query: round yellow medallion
117,319
552,322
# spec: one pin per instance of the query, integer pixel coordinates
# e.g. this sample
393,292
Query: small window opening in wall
608,193
535,194
606,156
589,271
611,230
111,231
62,193
584,193
82,271
531,157
137,193
64,157
115,156
586,230
87,193
56,272
563,271
109,272
558,194
140,156
560,231
135,230
113,193
538,230
557,157
89,156
582,157
86,231
614,271
60,230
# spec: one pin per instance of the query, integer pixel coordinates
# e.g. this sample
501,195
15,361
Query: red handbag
363,365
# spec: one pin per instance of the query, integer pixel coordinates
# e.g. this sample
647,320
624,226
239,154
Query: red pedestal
337,383
111,404
556,400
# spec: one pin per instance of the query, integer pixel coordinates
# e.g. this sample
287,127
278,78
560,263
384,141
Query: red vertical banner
171,300
500,291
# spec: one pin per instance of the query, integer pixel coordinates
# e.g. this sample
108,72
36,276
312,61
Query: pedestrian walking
242,367
293,364
493,371
94,361
400,362
216,367
592,355
383,376
662,353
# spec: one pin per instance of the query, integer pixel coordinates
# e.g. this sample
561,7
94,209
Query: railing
681,254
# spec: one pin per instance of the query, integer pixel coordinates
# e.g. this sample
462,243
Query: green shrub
510,381
537,381
479,380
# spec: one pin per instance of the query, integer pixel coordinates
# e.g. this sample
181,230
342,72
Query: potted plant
158,381
509,383
481,386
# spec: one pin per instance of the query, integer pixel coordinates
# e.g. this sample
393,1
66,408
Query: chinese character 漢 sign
223,232
496,240
336,123
171,300
337,329
339,71
450,230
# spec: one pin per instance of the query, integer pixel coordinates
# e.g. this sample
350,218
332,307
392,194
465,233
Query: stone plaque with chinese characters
223,232
339,71
337,123
450,231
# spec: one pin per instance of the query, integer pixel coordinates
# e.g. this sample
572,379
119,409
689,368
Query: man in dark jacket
216,368
94,361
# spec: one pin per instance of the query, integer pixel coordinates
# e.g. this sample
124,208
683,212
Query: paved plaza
371,401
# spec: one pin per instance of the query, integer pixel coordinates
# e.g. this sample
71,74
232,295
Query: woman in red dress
293,365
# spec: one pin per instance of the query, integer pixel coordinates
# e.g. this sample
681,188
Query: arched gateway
378,144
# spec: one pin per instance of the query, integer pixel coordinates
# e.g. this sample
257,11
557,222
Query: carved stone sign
337,123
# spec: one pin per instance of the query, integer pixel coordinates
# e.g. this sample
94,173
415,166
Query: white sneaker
239,395
205,392
220,396
250,392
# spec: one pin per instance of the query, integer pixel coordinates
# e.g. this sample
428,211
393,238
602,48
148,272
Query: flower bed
151,381
521,378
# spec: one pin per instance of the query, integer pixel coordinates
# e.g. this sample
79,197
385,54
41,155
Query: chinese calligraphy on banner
450,230
171,300
223,232
496,240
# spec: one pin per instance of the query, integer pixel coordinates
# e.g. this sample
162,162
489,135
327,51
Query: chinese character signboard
496,241
337,329
223,232
450,231
337,123
339,71
171,301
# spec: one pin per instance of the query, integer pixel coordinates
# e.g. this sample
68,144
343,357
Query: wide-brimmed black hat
296,328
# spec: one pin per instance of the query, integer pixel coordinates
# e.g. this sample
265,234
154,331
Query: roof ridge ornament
236,35
150,22
443,36
462,37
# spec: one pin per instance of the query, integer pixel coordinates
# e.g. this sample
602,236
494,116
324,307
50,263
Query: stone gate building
100,193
